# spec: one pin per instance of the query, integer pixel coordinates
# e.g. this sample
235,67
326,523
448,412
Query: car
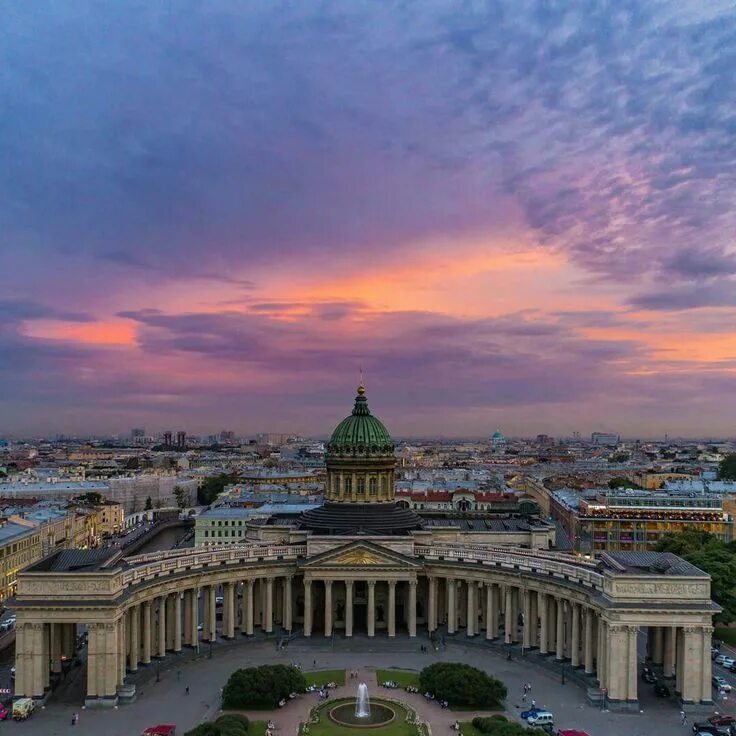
709,728
721,720
531,712
4,712
721,683
541,718
724,660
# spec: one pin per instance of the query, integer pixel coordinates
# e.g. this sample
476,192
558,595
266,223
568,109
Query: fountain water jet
362,702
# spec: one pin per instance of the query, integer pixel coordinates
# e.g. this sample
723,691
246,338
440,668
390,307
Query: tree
620,482
713,556
91,497
149,504
213,487
463,685
498,725
262,687
182,497
727,467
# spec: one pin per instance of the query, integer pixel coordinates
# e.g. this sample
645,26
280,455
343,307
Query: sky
513,214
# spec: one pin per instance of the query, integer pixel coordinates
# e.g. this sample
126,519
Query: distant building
227,436
181,440
544,440
498,441
137,434
607,439
167,439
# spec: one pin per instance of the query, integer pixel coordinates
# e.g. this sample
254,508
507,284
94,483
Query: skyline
519,219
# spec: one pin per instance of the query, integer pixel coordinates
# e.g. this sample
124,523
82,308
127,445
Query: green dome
361,432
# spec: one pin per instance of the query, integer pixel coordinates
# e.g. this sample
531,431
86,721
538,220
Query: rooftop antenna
360,371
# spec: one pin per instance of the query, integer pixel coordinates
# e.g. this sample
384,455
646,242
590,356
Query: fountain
359,713
362,703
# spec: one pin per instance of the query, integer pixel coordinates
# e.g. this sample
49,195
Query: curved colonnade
586,614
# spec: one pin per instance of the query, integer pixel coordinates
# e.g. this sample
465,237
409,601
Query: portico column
348,608
147,632
706,665
135,633
533,624
602,664
55,647
248,605
493,605
412,608
551,619
161,651
472,610
121,653
508,616
432,605
188,617
371,608
526,639
307,607
228,611
631,670
328,607
451,606
588,641
194,618
177,622
670,650
560,636
392,608
658,644
170,622
269,605
212,605
288,580
575,637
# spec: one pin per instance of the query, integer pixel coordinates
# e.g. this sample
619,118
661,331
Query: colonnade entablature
587,613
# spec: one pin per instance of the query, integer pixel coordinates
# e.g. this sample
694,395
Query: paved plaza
166,701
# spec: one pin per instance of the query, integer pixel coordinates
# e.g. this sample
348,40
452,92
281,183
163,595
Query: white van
541,718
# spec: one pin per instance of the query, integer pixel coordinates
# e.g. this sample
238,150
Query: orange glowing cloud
113,332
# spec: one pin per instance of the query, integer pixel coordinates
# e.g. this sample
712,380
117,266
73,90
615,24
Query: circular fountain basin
344,715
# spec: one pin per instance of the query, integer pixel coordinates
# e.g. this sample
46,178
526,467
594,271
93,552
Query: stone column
307,607
543,624
194,618
617,661
147,632
706,695
432,604
288,605
603,643
371,608
491,613
348,608
161,648
560,635
121,653
588,641
471,610
392,608
658,644
328,607
170,622
526,639
212,604
670,650
177,622
248,606
552,623
631,669
228,611
268,613
451,606
55,647
575,636
534,622
509,623
412,608
188,617
135,632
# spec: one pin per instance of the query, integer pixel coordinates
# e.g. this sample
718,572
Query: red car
4,712
722,720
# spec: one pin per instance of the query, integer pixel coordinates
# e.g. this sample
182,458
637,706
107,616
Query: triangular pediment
361,554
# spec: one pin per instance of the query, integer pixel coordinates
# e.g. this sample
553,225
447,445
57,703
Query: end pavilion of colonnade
360,563
587,614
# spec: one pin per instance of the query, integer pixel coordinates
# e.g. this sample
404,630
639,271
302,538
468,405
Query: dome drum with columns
360,480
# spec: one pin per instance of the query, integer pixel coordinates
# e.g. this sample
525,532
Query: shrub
497,725
461,684
261,687
232,724
204,729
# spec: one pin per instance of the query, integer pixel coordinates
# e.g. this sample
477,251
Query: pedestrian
73,721
534,703
523,696
529,687
187,690
683,717
315,663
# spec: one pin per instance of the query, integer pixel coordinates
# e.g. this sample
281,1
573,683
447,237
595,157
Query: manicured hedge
497,725
227,725
462,685
261,687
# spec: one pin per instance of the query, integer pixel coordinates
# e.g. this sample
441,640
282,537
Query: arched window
348,485
373,486
361,486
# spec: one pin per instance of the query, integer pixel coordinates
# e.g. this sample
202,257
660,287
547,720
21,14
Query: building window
372,486
361,486
384,484
348,485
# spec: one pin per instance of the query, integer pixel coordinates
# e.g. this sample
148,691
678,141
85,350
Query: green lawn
325,727
257,728
468,729
320,677
402,677
725,634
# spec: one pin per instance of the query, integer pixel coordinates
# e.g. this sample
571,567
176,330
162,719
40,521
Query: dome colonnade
587,615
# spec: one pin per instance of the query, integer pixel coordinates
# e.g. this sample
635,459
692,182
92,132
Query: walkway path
166,701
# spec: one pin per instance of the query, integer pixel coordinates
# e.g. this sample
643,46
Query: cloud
716,293
13,310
